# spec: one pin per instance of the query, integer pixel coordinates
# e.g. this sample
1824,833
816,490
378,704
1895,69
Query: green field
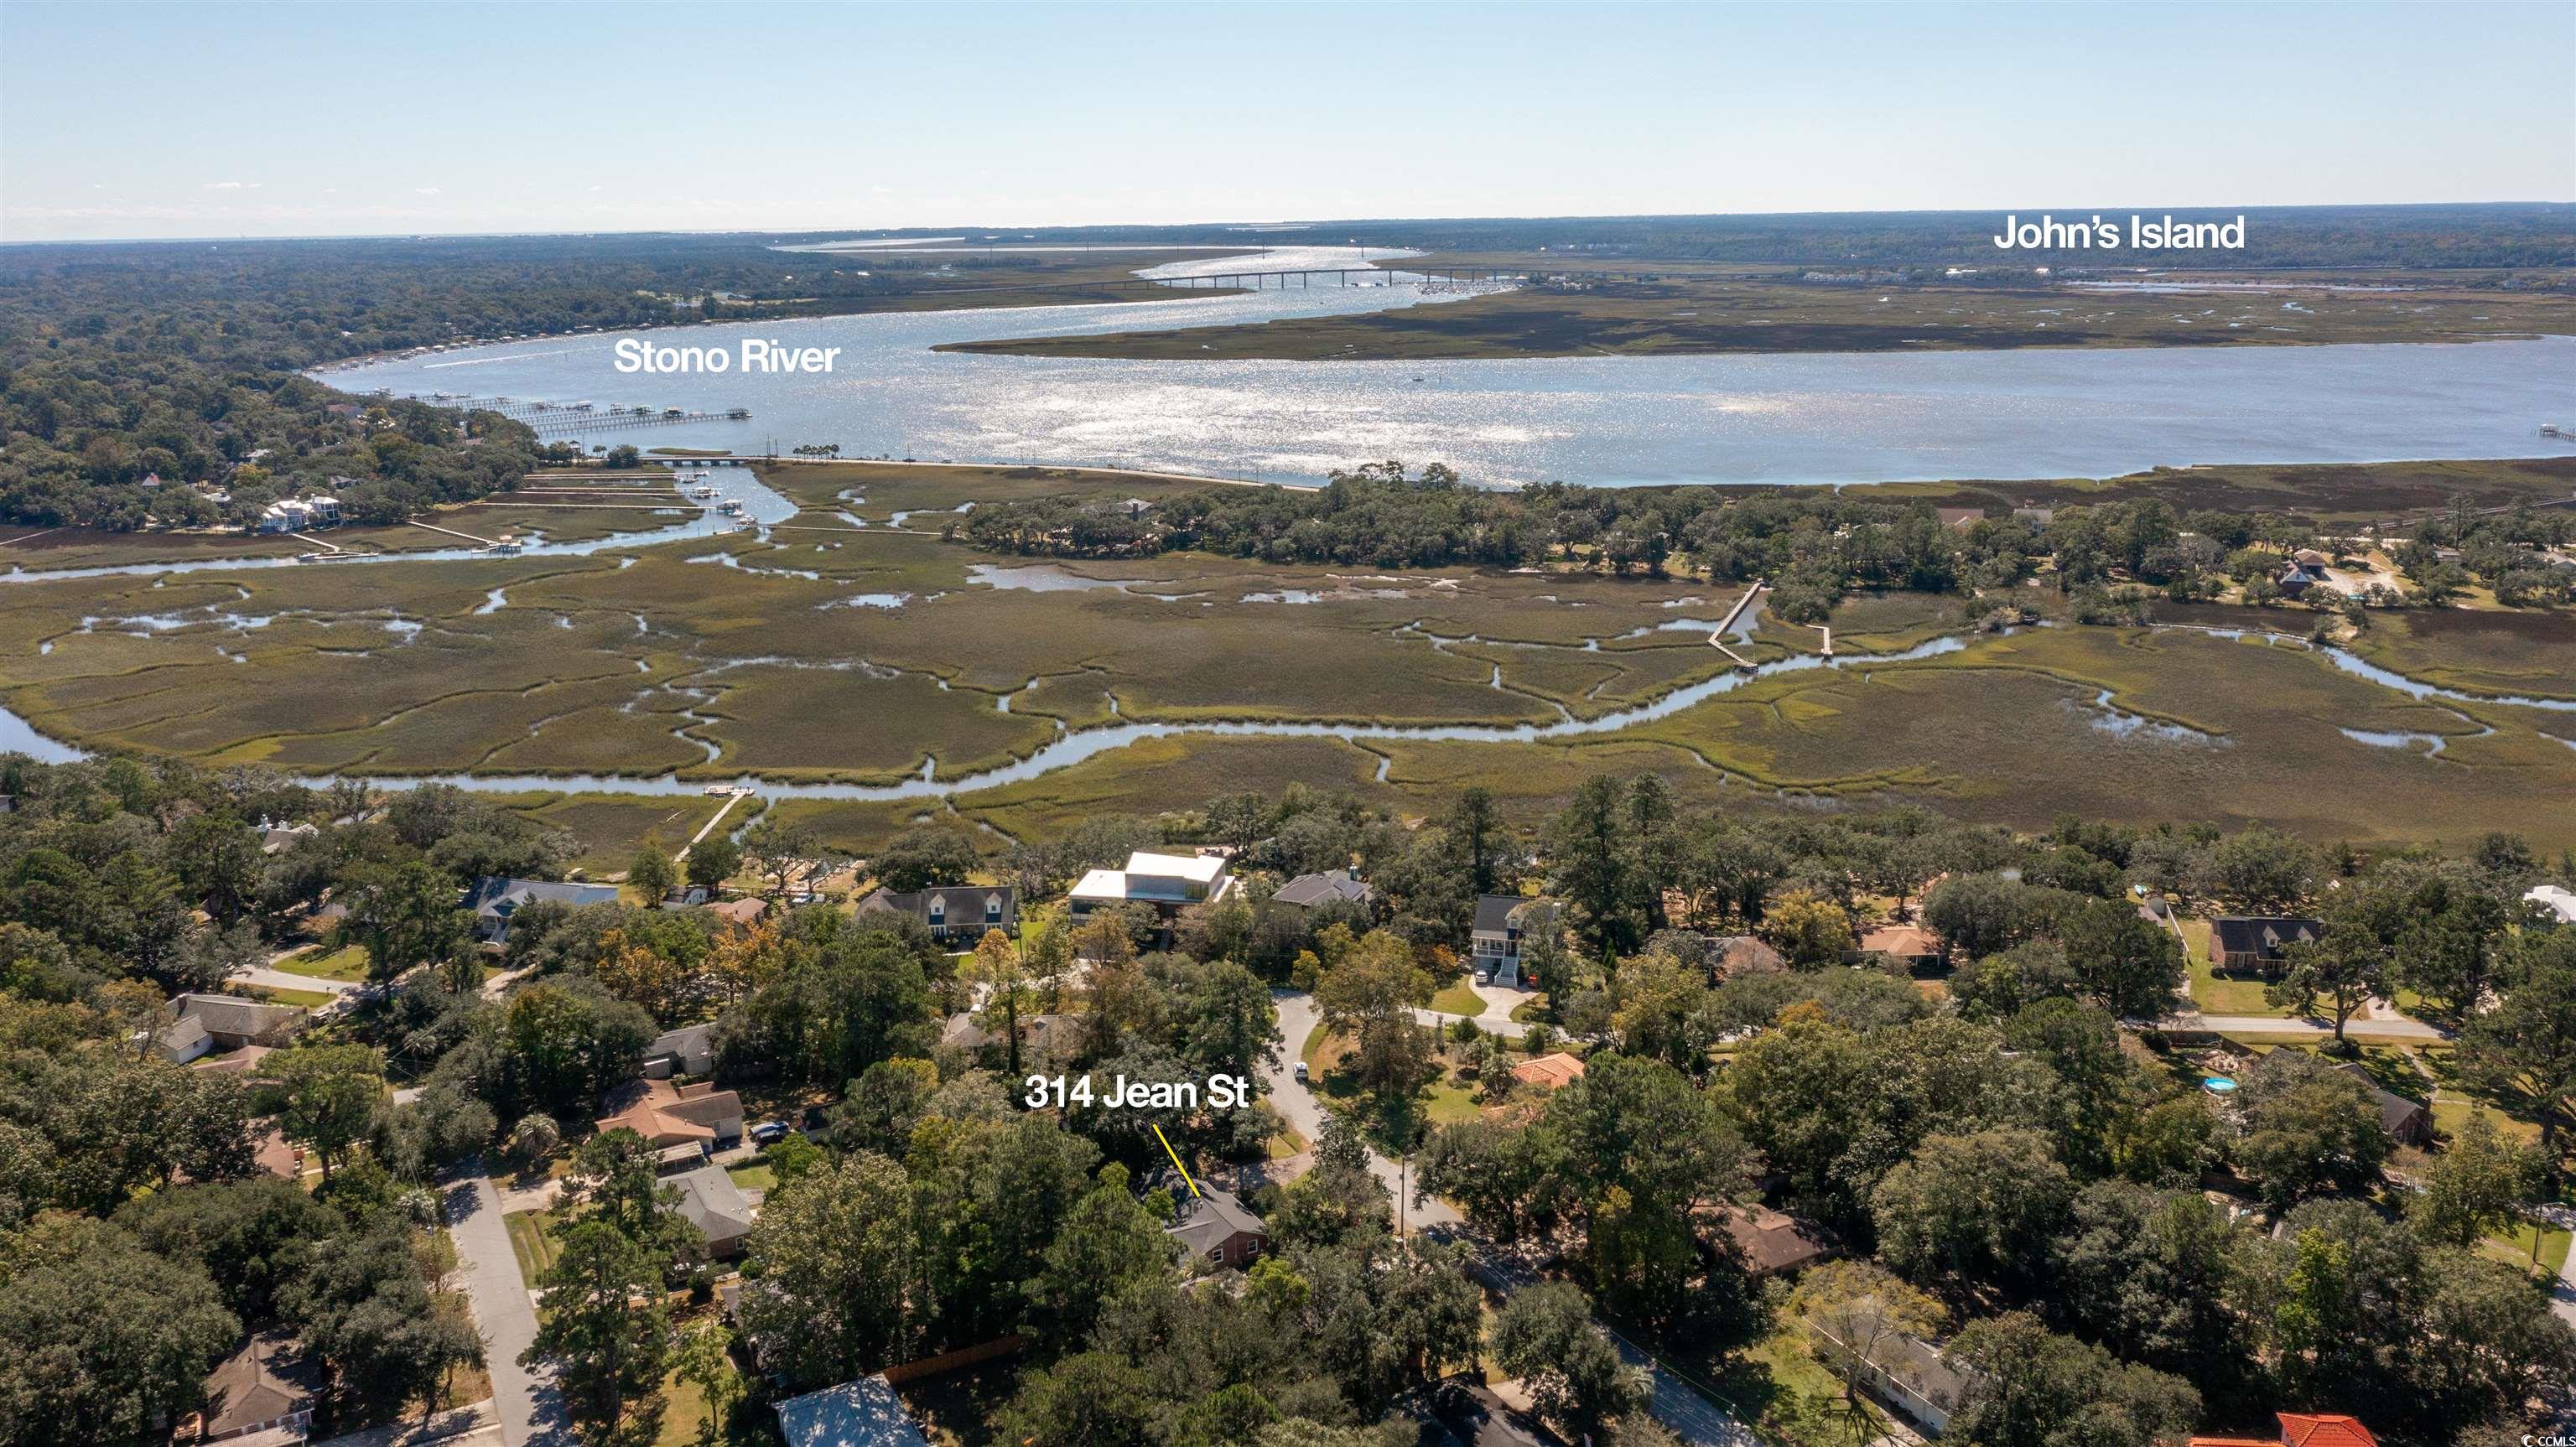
1687,309
325,963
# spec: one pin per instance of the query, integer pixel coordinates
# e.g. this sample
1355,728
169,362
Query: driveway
529,1410
1691,1416
1500,1001
1299,1107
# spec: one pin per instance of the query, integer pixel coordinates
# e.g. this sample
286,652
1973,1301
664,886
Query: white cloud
230,186
424,190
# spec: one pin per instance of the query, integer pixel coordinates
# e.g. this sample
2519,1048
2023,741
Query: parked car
1301,1072
769,1133
1484,975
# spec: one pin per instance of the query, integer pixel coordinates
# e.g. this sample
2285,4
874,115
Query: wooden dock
1726,625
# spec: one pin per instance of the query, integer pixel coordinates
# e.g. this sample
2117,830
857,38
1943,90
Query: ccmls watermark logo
2530,1441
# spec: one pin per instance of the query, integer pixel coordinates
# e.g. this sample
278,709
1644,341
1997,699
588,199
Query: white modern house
2556,899
1167,883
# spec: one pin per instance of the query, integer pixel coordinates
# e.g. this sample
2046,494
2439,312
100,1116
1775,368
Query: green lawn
308,999
1458,999
1448,1101
2517,1248
754,1176
2229,994
324,963
532,1241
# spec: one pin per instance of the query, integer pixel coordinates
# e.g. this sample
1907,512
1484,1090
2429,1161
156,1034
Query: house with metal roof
864,1413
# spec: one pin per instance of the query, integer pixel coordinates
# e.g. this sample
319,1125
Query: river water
1800,418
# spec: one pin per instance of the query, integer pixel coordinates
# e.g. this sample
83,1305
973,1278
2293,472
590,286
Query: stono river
1831,417
759,354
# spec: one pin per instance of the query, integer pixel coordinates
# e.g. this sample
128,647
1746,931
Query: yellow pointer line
1176,1160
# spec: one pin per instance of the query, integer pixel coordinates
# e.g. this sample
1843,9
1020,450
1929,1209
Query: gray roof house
1309,890
183,1040
235,1020
493,900
1216,1229
689,1050
2257,942
864,1413
267,1387
955,913
2406,1122
710,1201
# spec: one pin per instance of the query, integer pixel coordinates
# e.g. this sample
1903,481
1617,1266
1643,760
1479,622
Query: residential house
864,1413
2303,1429
1216,1229
956,914
268,1385
1549,1072
182,1040
2406,1122
712,1202
297,514
2306,569
1910,945
666,1114
1167,882
277,838
1733,955
1906,1372
744,912
1307,891
2558,901
1773,1243
233,1021
689,1050
961,1030
1504,926
494,899
2256,942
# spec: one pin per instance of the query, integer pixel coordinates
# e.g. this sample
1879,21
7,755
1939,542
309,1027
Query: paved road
1692,1417
2399,1028
1299,1107
531,1414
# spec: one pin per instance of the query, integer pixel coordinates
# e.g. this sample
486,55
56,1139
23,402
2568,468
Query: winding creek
1074,746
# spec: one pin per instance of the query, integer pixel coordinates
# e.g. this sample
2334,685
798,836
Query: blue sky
127,120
